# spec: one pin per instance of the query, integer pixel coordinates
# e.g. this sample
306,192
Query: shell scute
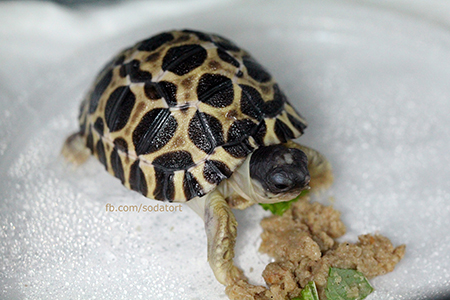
153,43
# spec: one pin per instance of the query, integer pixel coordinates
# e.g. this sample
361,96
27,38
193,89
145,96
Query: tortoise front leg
221,230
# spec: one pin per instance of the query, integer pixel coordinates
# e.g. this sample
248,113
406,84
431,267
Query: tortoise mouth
269,197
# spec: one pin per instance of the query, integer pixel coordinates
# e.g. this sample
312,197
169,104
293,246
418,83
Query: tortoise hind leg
319,167
74,149
220,227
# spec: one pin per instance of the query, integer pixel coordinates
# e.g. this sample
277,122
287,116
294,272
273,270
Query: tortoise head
278,173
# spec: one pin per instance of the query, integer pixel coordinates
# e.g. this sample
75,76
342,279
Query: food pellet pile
303,242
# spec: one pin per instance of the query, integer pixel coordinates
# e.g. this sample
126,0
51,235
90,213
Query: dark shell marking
177,113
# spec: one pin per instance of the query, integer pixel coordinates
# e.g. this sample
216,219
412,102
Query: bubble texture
371,77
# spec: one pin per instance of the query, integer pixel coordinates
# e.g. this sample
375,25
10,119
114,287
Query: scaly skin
221,230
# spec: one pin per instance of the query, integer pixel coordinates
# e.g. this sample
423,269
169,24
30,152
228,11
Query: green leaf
308,293
346,284
280,207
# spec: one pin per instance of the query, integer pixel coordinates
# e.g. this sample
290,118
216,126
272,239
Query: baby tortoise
187,116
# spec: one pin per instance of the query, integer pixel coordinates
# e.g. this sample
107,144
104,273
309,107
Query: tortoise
188,116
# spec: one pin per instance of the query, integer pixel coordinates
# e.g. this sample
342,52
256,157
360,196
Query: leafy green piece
344,284
280,207
308,293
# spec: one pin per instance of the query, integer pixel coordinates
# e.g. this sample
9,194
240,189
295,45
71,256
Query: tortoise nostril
307,180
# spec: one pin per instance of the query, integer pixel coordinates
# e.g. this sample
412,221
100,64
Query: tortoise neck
241,184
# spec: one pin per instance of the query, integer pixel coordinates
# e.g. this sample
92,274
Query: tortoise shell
177,113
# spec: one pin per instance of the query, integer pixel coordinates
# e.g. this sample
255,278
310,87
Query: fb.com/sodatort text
144,208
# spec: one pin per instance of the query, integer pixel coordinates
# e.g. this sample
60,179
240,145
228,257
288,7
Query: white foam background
371,77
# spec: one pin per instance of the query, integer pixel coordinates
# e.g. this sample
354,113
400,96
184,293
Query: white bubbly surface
371,77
